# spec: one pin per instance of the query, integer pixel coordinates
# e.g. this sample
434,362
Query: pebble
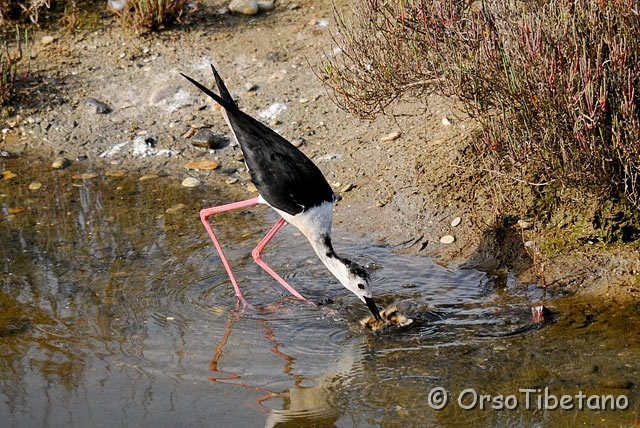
142,145
390,137
191,182
6,175
60,163
456,221
84,176
445,121
97,107
46,40
205,137
209,165
231,180
322,22
347,188
35,185
265,5
529,244
447,239
523,224
7,155
244,7
148,177
297,142
273,111
17,210
252,188
116,174
175,208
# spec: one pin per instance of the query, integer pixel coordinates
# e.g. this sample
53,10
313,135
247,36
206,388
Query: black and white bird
291,184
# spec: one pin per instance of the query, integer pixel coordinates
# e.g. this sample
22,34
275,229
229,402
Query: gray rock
204,137
265,5
97,107
244,7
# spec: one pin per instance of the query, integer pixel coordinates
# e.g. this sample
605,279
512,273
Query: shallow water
117,312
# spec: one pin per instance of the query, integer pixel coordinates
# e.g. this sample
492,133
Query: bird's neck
338,266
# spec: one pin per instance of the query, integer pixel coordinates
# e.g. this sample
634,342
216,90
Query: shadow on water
115,310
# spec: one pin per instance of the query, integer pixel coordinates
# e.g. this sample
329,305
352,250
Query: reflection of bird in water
313,405
291,184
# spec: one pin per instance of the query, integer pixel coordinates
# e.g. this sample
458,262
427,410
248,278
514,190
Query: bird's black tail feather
227,105
224,93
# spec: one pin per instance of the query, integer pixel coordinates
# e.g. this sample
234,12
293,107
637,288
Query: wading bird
291,184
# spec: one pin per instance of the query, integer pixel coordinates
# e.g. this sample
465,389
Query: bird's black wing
285,178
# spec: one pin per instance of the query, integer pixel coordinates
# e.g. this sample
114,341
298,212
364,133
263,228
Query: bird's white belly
314,223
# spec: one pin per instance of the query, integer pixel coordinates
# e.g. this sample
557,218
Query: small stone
84,176
143,145
148,177
96,107
115,174
244,7
208,165
175,208
7,175
390,137
530,244
7,155
273,111
447,239
523,224
46,40
17,210
456,221
250,87
303,100
60,163
347,188
294,6
445,121
231,180
191,182
265,5
205,137
323,22
252,188
35,185
297,142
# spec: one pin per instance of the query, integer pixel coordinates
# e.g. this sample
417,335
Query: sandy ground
402,179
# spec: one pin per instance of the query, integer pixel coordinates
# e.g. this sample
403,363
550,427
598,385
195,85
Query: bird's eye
361,286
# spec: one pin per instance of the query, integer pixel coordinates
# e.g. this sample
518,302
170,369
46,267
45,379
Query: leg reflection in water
308,405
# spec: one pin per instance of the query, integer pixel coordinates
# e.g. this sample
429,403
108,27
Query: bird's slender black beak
373,308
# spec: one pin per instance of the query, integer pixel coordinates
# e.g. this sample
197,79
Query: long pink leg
204,216
258,259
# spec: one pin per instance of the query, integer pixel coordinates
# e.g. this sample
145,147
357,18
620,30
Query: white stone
273,111
456,221
447,239
191,182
